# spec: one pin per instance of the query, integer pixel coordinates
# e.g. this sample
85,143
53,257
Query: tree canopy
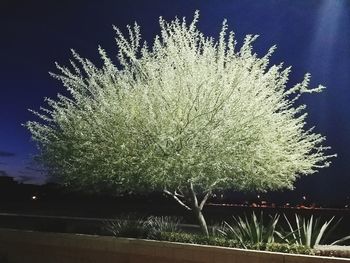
188,109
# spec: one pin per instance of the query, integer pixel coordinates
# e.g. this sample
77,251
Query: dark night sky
311,35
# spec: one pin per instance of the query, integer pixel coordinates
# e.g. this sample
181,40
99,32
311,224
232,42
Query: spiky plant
251,229
126,226
311,232
157,225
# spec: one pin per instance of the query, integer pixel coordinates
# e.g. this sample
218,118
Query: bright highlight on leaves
188,110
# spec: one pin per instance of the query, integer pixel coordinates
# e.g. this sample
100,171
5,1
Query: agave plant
311,232
251,230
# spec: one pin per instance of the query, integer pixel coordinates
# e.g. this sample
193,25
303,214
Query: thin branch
181,192
177,199
208,193
177,194
204,200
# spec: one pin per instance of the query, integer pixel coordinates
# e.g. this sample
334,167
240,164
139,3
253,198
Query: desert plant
159,224
198,239
332,251
224,242
177,237
216,230
289,248
252,230
187,116
310,232
126,226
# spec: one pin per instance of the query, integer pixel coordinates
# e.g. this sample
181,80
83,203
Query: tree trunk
197,210
193,205
201,220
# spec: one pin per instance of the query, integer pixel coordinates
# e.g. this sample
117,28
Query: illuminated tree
187,116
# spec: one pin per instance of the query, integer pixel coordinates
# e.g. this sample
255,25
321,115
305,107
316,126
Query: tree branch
204,200
177,199
207,195
178,194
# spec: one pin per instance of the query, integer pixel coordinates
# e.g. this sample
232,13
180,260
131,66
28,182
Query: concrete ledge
17,246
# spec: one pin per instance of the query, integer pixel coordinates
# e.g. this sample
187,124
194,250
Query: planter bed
18,246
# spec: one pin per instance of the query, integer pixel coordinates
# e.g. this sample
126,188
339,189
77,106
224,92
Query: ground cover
306,235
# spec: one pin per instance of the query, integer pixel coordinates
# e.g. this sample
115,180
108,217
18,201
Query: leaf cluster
251,230
187,109
312,231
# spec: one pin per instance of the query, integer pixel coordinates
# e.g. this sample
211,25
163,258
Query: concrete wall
18,246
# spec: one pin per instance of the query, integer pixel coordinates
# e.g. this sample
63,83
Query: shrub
310,232
332,251
156,225
247,233
251,230
224,242
126,226
176,237
199,239
289,248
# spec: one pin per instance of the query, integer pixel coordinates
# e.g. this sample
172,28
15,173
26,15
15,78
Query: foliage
332,251
167,229
189,108
199,239
187,115
126,226
151,227
289,248
177,237
311,232
251,229
159,224
216,229
224,242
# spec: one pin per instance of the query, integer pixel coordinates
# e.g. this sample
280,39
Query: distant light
34,197
304,197
258,196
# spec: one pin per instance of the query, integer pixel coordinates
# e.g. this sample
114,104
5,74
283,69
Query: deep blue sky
311,35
